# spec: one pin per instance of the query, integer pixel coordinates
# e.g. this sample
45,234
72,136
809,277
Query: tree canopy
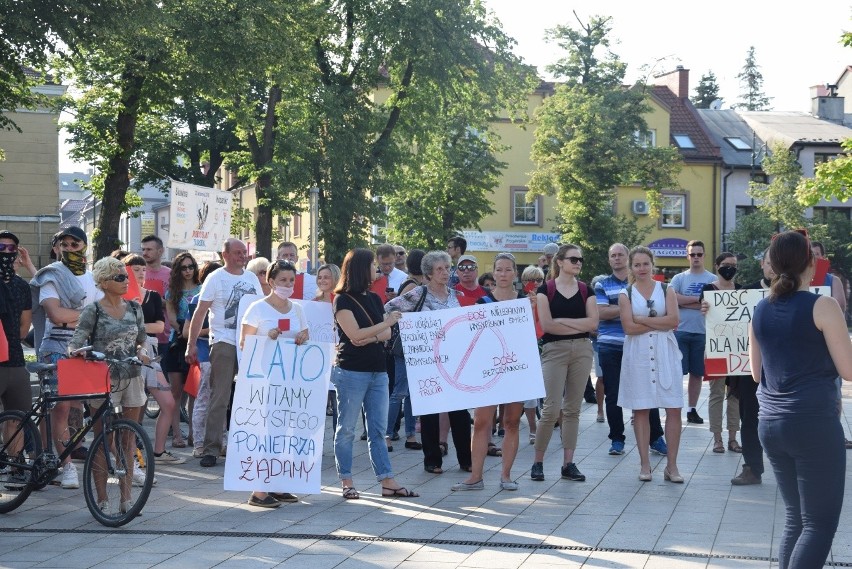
752,97
706,92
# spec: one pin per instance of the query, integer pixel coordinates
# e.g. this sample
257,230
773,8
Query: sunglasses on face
118,278
699,255
466,268
8,247
188,267
400,253
651,311
575,260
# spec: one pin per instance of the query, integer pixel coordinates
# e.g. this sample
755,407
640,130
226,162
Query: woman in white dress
651,370
275,316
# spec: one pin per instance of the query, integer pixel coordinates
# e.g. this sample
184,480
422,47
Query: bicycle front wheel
20,445
108,475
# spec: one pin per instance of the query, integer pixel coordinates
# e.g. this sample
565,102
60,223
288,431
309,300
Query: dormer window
683,141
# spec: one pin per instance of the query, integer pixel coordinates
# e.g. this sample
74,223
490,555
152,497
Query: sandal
413,445
350,493
718,446
444,448
433,469
178,442
493,450
401,492
734,446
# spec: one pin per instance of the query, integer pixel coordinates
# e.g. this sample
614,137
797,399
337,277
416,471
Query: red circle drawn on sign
454,379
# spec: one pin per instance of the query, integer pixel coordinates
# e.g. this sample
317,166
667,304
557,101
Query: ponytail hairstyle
790,256
560,255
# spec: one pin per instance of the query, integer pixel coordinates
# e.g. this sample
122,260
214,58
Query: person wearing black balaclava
726,269
16,316
61,290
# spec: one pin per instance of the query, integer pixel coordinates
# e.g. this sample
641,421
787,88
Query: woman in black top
567,311
359,372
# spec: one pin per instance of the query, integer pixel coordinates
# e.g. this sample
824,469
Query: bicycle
108,469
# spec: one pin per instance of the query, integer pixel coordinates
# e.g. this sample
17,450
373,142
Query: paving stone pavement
611,520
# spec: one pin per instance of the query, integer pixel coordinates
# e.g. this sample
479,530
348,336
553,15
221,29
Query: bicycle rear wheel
108,473
20,444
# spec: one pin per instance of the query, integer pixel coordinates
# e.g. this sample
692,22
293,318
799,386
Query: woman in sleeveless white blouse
651,370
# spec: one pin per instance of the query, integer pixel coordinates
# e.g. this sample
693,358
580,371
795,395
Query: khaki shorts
125,392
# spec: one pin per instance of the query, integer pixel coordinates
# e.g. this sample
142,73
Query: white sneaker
70,480
139,478
168,458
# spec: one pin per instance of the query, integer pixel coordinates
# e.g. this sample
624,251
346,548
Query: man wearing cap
59,293
16,316
468,284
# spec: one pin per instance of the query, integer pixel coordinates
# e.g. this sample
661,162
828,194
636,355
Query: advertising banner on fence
199,217
727,321
278,417
512,241
468,357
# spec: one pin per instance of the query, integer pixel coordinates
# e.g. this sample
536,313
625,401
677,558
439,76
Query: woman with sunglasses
264,318
798,346
650,370
568,312
723,388
183,285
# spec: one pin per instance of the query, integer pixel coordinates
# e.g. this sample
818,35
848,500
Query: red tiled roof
683,119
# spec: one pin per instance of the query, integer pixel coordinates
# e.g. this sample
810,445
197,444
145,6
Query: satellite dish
716,104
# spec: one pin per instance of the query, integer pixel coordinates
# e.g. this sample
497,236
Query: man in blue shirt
611,350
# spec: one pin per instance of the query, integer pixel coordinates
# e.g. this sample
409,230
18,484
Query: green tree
446,187
706,91
749,238
752,97
832,180
777,199
586,142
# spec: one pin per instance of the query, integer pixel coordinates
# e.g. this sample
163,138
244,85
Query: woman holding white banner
359,372
568,312
651,374
798,345
436,295
505,272
275,316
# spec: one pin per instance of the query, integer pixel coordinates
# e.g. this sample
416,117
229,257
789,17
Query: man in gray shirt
690,329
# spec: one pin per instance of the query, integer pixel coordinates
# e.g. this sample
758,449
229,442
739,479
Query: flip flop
401,492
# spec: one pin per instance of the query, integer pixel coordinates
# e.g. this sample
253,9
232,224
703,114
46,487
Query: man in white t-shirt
305,287
60,291
690,329
221,294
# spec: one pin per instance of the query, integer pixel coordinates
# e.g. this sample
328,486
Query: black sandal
350,493
433,469
401,492
493,450
444,448
413,445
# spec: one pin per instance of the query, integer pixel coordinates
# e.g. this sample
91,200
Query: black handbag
395,341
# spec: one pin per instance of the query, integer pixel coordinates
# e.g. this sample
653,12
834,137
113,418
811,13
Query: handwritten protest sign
727,321
320,320
278,416
470,357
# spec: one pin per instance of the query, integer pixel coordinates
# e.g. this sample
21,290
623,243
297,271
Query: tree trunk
263,222
117,179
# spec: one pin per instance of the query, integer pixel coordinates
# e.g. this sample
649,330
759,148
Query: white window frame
519,193
646,139
684,210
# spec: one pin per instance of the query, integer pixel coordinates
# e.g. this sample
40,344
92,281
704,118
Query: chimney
677,81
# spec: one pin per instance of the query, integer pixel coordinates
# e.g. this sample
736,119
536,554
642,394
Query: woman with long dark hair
359,373
183,285
798,346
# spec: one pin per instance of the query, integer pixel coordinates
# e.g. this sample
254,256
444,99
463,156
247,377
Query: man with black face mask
61,290
16,316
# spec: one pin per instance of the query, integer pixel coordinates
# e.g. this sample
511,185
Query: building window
823,157
738,143
297,225
646,139
524,212
743,210
683,141
821,213
673,211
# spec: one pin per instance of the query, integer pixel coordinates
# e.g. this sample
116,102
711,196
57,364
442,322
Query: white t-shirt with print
48,290
225,290
265,317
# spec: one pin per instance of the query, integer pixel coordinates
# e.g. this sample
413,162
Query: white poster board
474,356
320,318
726,325
278,417
199,217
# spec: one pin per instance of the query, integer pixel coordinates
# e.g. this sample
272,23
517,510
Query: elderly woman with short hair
438,296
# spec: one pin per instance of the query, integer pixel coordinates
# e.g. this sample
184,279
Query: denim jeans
400,392
609,356
809,461
357,389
